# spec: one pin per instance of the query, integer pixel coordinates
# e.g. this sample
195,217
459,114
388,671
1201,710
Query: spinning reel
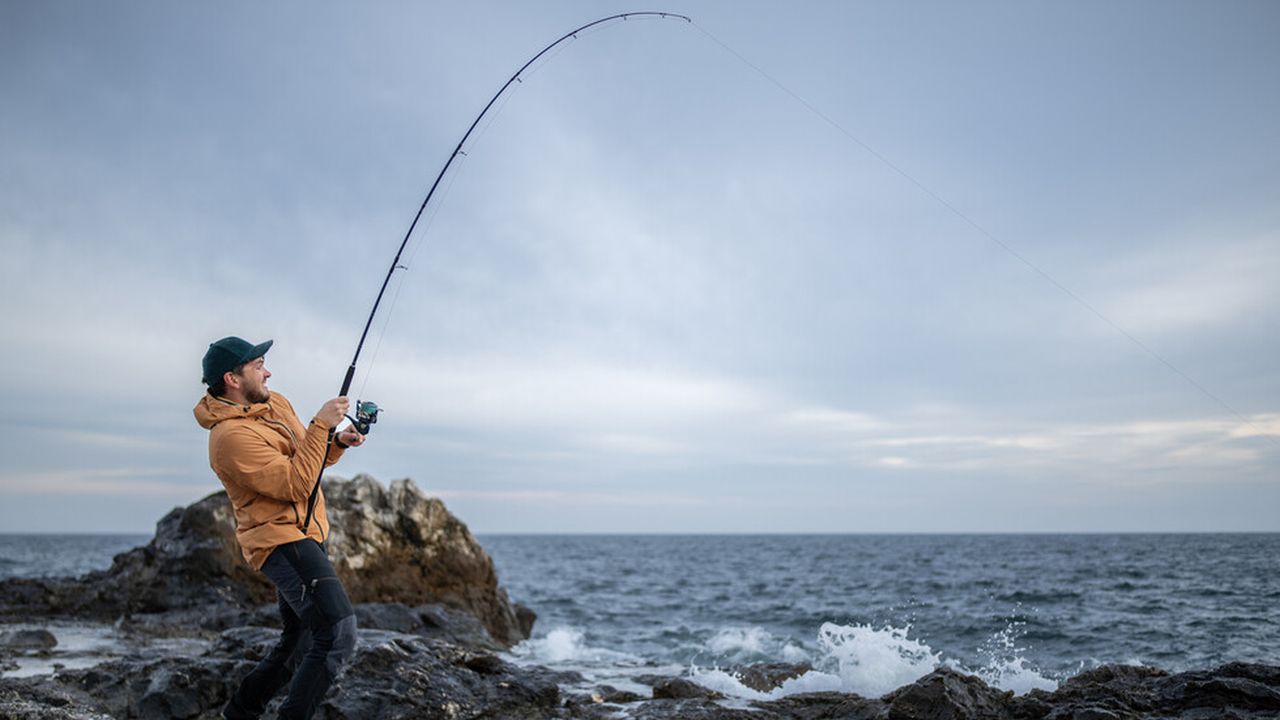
366,415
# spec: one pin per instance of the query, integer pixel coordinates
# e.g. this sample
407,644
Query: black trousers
318,637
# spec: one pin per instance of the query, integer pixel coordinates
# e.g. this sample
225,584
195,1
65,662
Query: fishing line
432,214
367,413
985,233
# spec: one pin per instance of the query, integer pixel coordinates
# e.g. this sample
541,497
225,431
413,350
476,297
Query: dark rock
682,689
1238,685
765,677
246,643
696,709
394,675
823,705
525,618
34,699
24,640
184,691
486,664
650,679
610,694
947,695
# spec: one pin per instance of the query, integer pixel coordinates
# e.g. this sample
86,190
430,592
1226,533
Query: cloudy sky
847,267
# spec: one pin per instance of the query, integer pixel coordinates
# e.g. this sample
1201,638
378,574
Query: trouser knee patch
344,645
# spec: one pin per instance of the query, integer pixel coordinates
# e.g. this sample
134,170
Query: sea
867,613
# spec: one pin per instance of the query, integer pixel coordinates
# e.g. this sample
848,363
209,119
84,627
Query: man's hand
350,438
333,411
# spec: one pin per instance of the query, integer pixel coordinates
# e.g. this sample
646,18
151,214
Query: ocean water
869,613
37,555
874,612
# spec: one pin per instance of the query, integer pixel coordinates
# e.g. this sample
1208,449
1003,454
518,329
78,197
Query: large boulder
388,546
400,546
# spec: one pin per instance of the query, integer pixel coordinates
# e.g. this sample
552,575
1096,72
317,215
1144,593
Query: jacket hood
210,411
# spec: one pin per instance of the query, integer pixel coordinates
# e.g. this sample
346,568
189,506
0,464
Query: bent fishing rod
367,412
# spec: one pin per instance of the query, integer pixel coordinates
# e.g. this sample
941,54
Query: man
269,463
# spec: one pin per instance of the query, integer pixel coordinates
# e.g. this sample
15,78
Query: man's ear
231,380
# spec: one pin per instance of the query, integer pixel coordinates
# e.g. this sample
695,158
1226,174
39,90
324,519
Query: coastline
170,627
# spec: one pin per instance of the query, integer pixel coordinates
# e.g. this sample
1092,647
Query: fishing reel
366,415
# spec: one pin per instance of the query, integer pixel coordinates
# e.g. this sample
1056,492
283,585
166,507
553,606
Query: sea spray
739,645
872,661
865,660
858,659
564,646
1007,666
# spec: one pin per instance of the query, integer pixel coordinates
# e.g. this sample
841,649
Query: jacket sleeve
244,457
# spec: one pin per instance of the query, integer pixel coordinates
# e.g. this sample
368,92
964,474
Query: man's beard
257,394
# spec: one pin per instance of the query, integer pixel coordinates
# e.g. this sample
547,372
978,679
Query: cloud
580,393
1005,444
1186,287
561,498
99,482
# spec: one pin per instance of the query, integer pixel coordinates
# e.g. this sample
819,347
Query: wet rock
1239,686
812,706
765,677
946,695
697,709
682,689
27,640
396,675
184,691
525,618
611,694
28,699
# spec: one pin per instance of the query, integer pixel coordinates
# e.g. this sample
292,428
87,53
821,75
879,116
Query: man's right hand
333,411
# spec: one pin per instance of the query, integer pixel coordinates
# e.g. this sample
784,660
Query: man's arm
247,459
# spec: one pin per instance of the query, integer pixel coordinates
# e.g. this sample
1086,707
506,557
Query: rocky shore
188,619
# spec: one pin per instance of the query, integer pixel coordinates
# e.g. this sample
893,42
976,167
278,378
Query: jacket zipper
297,519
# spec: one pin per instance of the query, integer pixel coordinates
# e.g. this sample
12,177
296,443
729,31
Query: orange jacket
268,462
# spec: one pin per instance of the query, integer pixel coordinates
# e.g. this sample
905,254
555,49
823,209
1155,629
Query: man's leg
327,611
271,674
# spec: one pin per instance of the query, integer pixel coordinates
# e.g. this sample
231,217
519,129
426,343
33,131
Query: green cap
229,353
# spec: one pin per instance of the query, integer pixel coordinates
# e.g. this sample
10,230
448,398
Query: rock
695,709
388,546
26,640
395,675
947,695
765,677
1240,686
682,689
610,694
845,706
397,545
525,617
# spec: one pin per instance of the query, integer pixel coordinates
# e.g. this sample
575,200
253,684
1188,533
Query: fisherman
269,463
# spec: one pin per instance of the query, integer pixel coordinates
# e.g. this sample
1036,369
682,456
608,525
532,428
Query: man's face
253,381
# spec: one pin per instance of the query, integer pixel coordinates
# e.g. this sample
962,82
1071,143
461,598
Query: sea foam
863,659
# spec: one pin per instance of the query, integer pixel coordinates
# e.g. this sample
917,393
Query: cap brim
257,351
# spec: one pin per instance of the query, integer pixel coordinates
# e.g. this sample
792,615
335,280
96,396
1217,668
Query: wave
870,661
863,659
567,645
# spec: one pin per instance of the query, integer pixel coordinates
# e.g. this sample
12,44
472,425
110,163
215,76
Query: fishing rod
367,412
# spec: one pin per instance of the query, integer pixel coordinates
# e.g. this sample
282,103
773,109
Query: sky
832,267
